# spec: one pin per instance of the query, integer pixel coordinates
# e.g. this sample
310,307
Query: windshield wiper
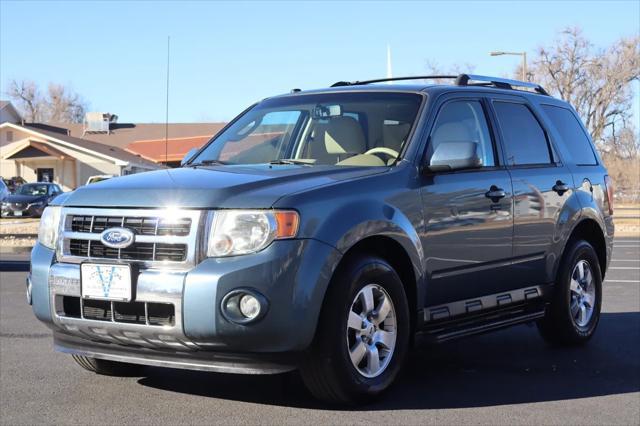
292,161
208,163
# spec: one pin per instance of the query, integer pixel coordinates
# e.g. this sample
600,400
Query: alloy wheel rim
583,293
371,331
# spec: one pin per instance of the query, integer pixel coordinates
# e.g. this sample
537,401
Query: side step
470,325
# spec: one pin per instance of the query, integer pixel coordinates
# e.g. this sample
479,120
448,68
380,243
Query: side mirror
450,156
188,156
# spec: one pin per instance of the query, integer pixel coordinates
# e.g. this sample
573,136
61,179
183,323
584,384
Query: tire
108,368
565,323
328,370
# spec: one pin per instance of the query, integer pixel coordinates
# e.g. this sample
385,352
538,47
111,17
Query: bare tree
27,98
433,68
64,106
597,82
60,104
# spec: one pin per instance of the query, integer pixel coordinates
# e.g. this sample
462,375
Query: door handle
495,193
560,187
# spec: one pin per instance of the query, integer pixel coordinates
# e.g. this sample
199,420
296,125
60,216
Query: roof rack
459,80
382,80
502,83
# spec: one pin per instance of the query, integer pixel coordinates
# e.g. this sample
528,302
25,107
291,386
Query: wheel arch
589,230
396,255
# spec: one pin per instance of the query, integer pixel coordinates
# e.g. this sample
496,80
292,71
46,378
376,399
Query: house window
9,136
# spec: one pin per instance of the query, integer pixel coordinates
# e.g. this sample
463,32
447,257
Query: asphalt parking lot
509,377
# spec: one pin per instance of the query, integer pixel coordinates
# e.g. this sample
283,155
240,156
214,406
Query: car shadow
508,367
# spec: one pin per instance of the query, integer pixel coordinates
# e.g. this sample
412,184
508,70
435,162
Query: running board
482,323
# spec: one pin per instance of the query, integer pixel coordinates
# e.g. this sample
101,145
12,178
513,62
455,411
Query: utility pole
389,72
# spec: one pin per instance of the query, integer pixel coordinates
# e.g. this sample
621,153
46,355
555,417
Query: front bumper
220,362
31,211
291,274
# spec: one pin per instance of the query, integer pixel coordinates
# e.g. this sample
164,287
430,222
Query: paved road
504,378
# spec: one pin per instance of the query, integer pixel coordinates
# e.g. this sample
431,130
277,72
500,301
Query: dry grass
625,173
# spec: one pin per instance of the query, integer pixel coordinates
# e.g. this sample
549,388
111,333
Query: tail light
608,183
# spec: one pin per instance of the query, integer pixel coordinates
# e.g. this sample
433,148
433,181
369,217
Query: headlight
36,204
49,225
235,232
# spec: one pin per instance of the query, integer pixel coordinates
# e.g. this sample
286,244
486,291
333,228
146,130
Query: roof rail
382,80
460,80
502,83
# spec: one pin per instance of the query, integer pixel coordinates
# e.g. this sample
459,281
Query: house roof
114,153
170,150
8,104
123,134
36,149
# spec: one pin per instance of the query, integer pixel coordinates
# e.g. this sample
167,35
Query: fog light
249,306
244,306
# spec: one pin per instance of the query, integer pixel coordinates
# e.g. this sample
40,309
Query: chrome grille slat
162,238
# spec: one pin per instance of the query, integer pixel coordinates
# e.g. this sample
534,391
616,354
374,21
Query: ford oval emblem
117,237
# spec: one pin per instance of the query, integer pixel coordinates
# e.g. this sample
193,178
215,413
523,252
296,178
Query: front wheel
363,334
574,312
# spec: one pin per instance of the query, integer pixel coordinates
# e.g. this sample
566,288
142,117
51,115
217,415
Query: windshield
32,189
363,129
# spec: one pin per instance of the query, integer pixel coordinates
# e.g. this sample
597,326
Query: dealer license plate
106,282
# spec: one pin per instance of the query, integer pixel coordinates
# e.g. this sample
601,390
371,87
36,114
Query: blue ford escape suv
324,230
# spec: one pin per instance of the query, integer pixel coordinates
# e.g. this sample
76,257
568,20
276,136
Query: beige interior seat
335,138
393,136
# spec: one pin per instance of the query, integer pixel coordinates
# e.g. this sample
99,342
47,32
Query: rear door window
572,135
525,142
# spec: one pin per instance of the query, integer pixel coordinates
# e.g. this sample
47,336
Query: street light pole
524,60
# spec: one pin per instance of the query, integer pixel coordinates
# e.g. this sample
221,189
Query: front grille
139,225
147,313
136,251
162,238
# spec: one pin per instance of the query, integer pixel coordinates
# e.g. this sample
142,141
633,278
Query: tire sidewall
364,271
581,251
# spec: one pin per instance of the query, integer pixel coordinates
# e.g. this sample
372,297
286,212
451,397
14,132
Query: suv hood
257,186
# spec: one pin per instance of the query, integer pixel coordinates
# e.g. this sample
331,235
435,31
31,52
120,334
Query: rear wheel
362,336
574,312
108,368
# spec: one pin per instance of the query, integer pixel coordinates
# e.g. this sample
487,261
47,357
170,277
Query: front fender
354,222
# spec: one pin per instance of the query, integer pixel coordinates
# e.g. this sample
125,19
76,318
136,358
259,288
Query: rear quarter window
572,134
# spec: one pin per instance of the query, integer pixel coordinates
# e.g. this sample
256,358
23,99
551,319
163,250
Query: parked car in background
324,230
29,200
14,183
4,190
98,178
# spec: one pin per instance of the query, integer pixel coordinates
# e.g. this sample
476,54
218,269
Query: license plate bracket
104,281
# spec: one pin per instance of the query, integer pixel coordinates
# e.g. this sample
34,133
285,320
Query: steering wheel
393,154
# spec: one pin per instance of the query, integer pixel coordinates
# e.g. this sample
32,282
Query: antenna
166,117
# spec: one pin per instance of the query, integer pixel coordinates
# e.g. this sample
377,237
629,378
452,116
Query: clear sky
226,55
